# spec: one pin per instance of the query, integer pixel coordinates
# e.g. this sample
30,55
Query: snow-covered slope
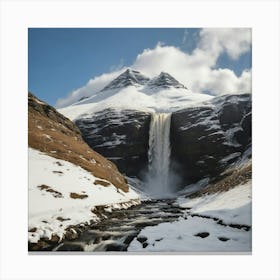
219,222
67,179
62,195
133,90
233,206
55,135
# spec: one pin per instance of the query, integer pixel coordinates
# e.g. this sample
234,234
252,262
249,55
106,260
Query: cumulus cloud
230,82
196,70
234,41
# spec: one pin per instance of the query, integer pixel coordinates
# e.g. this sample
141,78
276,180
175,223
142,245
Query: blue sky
61,60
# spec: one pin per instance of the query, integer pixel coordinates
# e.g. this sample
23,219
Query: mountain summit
135,91
135,78
139,81
127,78
165,80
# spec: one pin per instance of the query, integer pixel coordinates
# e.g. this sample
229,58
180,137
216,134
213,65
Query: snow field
51,207
232,207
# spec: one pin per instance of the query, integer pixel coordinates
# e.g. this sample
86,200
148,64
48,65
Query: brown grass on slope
235,178
52,133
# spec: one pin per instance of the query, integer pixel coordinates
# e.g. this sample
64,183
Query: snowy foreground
62,194
218,222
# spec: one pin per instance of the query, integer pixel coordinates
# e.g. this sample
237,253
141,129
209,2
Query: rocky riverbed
121,226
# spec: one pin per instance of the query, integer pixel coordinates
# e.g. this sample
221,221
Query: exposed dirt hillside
55,135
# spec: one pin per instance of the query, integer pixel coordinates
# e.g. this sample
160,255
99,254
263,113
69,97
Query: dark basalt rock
142,239
202,234
206,140
224,239
120,136
145,244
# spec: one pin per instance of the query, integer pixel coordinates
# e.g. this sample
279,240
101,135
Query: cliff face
122,136
55,135
206,140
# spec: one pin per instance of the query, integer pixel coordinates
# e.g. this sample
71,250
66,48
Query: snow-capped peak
165,80
127,78
132,90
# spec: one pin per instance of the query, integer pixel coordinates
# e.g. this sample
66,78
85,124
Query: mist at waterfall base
160,180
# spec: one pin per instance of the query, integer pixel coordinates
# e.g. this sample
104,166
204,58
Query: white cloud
230,82
234,41
92,86
196,70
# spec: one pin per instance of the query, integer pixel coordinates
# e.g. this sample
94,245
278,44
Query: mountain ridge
136,79
165,80
134,91
127,78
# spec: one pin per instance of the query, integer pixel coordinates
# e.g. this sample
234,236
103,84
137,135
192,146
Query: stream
117,231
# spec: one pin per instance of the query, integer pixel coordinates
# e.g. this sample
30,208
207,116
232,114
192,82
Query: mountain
116,120
165,80
205,139
127,78
135,78
70,185
134,91
207,134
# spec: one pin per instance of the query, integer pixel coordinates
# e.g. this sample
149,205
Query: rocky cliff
206,140
122,136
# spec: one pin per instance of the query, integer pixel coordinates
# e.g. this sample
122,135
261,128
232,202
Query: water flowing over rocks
117,231
158,182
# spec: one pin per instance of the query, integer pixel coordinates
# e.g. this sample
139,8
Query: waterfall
159,155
